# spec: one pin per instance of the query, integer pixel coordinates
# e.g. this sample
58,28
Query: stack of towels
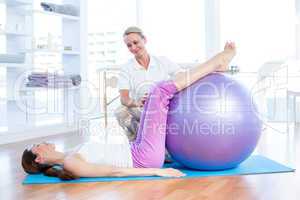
52,80
66,9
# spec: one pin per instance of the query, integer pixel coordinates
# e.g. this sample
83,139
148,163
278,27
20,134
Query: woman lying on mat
144,156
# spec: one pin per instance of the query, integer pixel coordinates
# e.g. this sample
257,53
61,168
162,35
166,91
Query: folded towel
66,9
37,79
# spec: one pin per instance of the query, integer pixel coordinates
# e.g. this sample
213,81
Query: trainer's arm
129,102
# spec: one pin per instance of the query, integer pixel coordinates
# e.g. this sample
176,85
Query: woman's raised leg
219,62
149,148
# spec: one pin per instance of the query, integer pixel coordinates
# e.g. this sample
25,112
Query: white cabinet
63,37
17,29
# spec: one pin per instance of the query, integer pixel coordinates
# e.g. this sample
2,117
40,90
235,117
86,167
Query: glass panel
106,23
175,28
263,30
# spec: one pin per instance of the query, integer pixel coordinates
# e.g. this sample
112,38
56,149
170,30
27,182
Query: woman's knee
163,88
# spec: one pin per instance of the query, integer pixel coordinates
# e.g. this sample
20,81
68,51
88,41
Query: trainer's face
135,44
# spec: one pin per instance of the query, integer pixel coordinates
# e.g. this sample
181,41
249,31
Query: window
263,30
106,23
175,28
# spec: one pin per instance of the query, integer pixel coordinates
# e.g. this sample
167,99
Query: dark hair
30,166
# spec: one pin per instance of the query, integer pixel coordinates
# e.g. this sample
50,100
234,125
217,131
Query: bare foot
226,56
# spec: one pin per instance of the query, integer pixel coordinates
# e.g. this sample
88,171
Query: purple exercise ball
213,124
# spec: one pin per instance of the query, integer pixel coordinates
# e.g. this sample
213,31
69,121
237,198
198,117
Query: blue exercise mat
253,165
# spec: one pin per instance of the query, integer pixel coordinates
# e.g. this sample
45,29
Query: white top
112,154
138,80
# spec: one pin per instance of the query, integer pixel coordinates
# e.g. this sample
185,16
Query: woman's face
43,151
36,148
135,44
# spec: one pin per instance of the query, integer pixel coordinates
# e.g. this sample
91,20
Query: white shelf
15,2
13,33
14,65
53,51
69,17
36,89
71,53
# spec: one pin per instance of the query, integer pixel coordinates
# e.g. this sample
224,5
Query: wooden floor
267,187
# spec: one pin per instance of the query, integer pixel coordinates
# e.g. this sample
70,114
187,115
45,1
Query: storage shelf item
65,8
36,89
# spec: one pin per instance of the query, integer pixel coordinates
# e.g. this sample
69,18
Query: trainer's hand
142,100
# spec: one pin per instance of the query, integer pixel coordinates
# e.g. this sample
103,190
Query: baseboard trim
43,131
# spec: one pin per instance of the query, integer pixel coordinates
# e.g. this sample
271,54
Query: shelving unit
19,31
13,33
15,65
106,48
65,52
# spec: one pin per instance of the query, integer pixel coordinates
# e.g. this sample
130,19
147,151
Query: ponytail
58,171
32,167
